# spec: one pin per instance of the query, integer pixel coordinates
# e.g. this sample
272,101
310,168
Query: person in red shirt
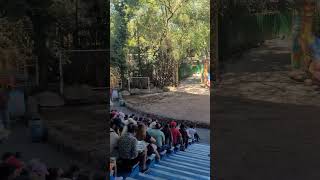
176,135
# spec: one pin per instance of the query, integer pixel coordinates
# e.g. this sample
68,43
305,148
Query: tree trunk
40,50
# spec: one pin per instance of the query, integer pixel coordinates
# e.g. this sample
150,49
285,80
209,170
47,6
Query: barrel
37,130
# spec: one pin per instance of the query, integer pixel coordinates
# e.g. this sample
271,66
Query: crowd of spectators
133,139
12,167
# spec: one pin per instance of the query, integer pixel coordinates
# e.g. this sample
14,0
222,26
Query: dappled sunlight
274,87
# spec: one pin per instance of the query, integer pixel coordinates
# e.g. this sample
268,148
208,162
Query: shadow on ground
263,140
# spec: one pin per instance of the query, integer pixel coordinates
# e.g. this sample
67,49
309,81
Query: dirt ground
81,129
189,102
262,74
268,128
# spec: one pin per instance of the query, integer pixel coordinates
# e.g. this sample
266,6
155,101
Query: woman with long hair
142,135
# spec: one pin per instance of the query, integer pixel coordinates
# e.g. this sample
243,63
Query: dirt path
262,74
188,102
268,128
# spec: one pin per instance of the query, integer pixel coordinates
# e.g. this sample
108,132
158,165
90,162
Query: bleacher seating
191,164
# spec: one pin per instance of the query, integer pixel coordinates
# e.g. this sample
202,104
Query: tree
52,21
160,35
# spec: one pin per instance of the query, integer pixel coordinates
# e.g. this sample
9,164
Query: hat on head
174,124
153,125
13,161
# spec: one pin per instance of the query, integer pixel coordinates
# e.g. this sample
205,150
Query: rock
315,86
298,77
49,99
125,93
308,82
77,92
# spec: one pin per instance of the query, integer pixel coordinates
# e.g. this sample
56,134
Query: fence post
61,73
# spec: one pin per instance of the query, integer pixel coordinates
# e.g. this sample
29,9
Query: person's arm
163,138
152,140
134,148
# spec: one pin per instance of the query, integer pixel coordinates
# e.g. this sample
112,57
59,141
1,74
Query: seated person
149,142
115,126
156,133
176,135
185,136
191,131
127,149
168,136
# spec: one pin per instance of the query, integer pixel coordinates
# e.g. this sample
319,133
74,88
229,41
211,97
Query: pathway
263,74
189,102
263,130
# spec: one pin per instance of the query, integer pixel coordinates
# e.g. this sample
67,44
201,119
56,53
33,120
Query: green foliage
143,30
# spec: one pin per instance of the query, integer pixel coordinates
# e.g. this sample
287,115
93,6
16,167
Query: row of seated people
133,139
12,167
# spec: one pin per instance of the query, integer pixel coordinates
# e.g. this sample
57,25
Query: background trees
153,37
57,24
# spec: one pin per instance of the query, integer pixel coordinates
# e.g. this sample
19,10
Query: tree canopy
147,33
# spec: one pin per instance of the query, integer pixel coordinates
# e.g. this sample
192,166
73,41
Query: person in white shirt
191,132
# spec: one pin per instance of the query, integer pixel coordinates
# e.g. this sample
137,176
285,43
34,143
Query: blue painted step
192,164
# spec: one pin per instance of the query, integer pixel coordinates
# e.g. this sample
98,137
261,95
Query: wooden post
217,42
129,83
61,73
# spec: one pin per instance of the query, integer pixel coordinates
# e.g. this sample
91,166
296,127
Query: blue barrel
37,130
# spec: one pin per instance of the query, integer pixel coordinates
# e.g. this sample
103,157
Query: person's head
173,124
131,128
141,132
191,126
117,124
166,126
153,125
182,126
158,126
17,164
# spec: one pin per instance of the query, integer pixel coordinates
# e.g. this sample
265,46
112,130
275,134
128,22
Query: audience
135,138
